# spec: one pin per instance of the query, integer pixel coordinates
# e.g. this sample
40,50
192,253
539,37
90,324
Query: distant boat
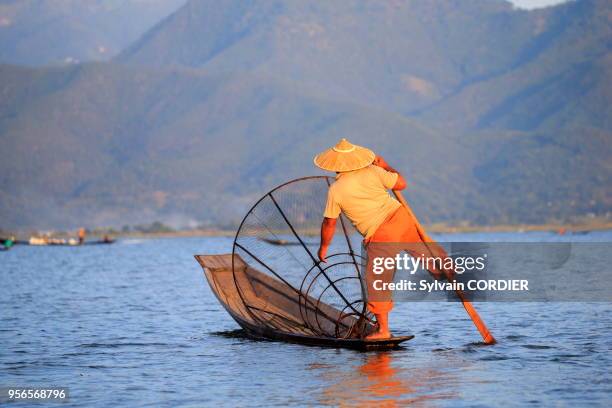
6,243
36,241
283,242
100,242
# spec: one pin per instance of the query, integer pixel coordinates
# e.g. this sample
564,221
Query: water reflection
378,382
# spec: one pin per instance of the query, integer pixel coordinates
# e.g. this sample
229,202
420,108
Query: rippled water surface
135,324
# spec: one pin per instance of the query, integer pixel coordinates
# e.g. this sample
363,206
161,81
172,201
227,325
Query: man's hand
380,162
322,253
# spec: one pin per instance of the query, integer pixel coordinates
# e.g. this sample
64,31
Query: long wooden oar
482,328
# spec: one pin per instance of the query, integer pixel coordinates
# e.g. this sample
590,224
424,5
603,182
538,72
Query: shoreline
579,227
434,228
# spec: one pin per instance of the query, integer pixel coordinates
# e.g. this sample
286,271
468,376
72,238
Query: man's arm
400,184
328,227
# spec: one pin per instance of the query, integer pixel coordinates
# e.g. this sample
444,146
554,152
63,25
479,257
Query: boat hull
218,273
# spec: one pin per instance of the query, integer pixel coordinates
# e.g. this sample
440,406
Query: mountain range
494,114
43,32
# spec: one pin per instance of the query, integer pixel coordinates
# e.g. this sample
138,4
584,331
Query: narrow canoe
279,301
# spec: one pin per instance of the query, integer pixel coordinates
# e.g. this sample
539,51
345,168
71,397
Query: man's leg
381,312
379,302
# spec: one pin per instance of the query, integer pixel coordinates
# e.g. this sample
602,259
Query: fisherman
82,233
361,193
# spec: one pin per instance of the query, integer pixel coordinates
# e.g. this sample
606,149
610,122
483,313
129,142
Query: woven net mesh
279,237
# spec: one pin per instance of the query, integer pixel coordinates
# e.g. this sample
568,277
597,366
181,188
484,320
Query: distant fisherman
361,193
82,234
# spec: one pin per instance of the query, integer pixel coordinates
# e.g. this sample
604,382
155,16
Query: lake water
135,324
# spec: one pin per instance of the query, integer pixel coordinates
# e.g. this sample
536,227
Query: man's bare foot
378,335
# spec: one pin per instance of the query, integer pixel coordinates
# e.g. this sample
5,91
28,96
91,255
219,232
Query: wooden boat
64,243
283,242
100,242
268,308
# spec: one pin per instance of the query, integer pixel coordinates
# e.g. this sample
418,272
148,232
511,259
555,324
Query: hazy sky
535,3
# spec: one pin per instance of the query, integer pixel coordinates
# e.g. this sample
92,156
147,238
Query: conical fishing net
279,238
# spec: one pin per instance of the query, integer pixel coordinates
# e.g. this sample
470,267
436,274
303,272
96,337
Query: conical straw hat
344,156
